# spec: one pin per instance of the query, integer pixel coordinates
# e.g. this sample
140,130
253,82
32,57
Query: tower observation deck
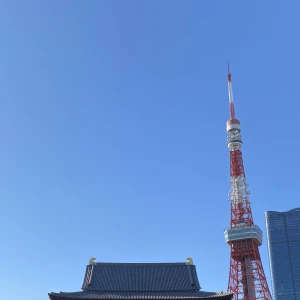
247,279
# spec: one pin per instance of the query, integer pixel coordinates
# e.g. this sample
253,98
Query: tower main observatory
247,279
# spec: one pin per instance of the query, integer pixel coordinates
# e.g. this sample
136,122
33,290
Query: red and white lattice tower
247,279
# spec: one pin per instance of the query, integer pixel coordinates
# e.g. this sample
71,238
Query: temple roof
185,295
132,281
144,277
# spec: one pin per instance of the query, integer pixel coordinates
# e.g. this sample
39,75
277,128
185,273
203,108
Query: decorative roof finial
189,261
91,261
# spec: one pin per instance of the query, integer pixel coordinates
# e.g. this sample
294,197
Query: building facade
137,281
283,234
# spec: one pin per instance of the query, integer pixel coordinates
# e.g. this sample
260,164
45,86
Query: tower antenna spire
230,95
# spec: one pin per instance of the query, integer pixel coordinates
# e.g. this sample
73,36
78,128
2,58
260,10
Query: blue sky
113,140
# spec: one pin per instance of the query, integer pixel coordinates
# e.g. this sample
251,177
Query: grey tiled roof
141,277
95,295
140,281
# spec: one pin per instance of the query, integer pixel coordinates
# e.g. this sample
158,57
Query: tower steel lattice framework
247,279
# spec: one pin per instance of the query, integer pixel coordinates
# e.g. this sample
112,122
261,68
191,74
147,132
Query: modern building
140,281
283,234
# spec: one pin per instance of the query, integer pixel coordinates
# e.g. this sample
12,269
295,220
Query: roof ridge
139,263
104,292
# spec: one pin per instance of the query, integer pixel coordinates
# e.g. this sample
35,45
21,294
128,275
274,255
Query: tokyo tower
247,279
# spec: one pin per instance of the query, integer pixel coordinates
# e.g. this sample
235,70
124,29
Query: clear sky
113,140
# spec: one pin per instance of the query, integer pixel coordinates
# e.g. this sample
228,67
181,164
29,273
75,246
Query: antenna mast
230,95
